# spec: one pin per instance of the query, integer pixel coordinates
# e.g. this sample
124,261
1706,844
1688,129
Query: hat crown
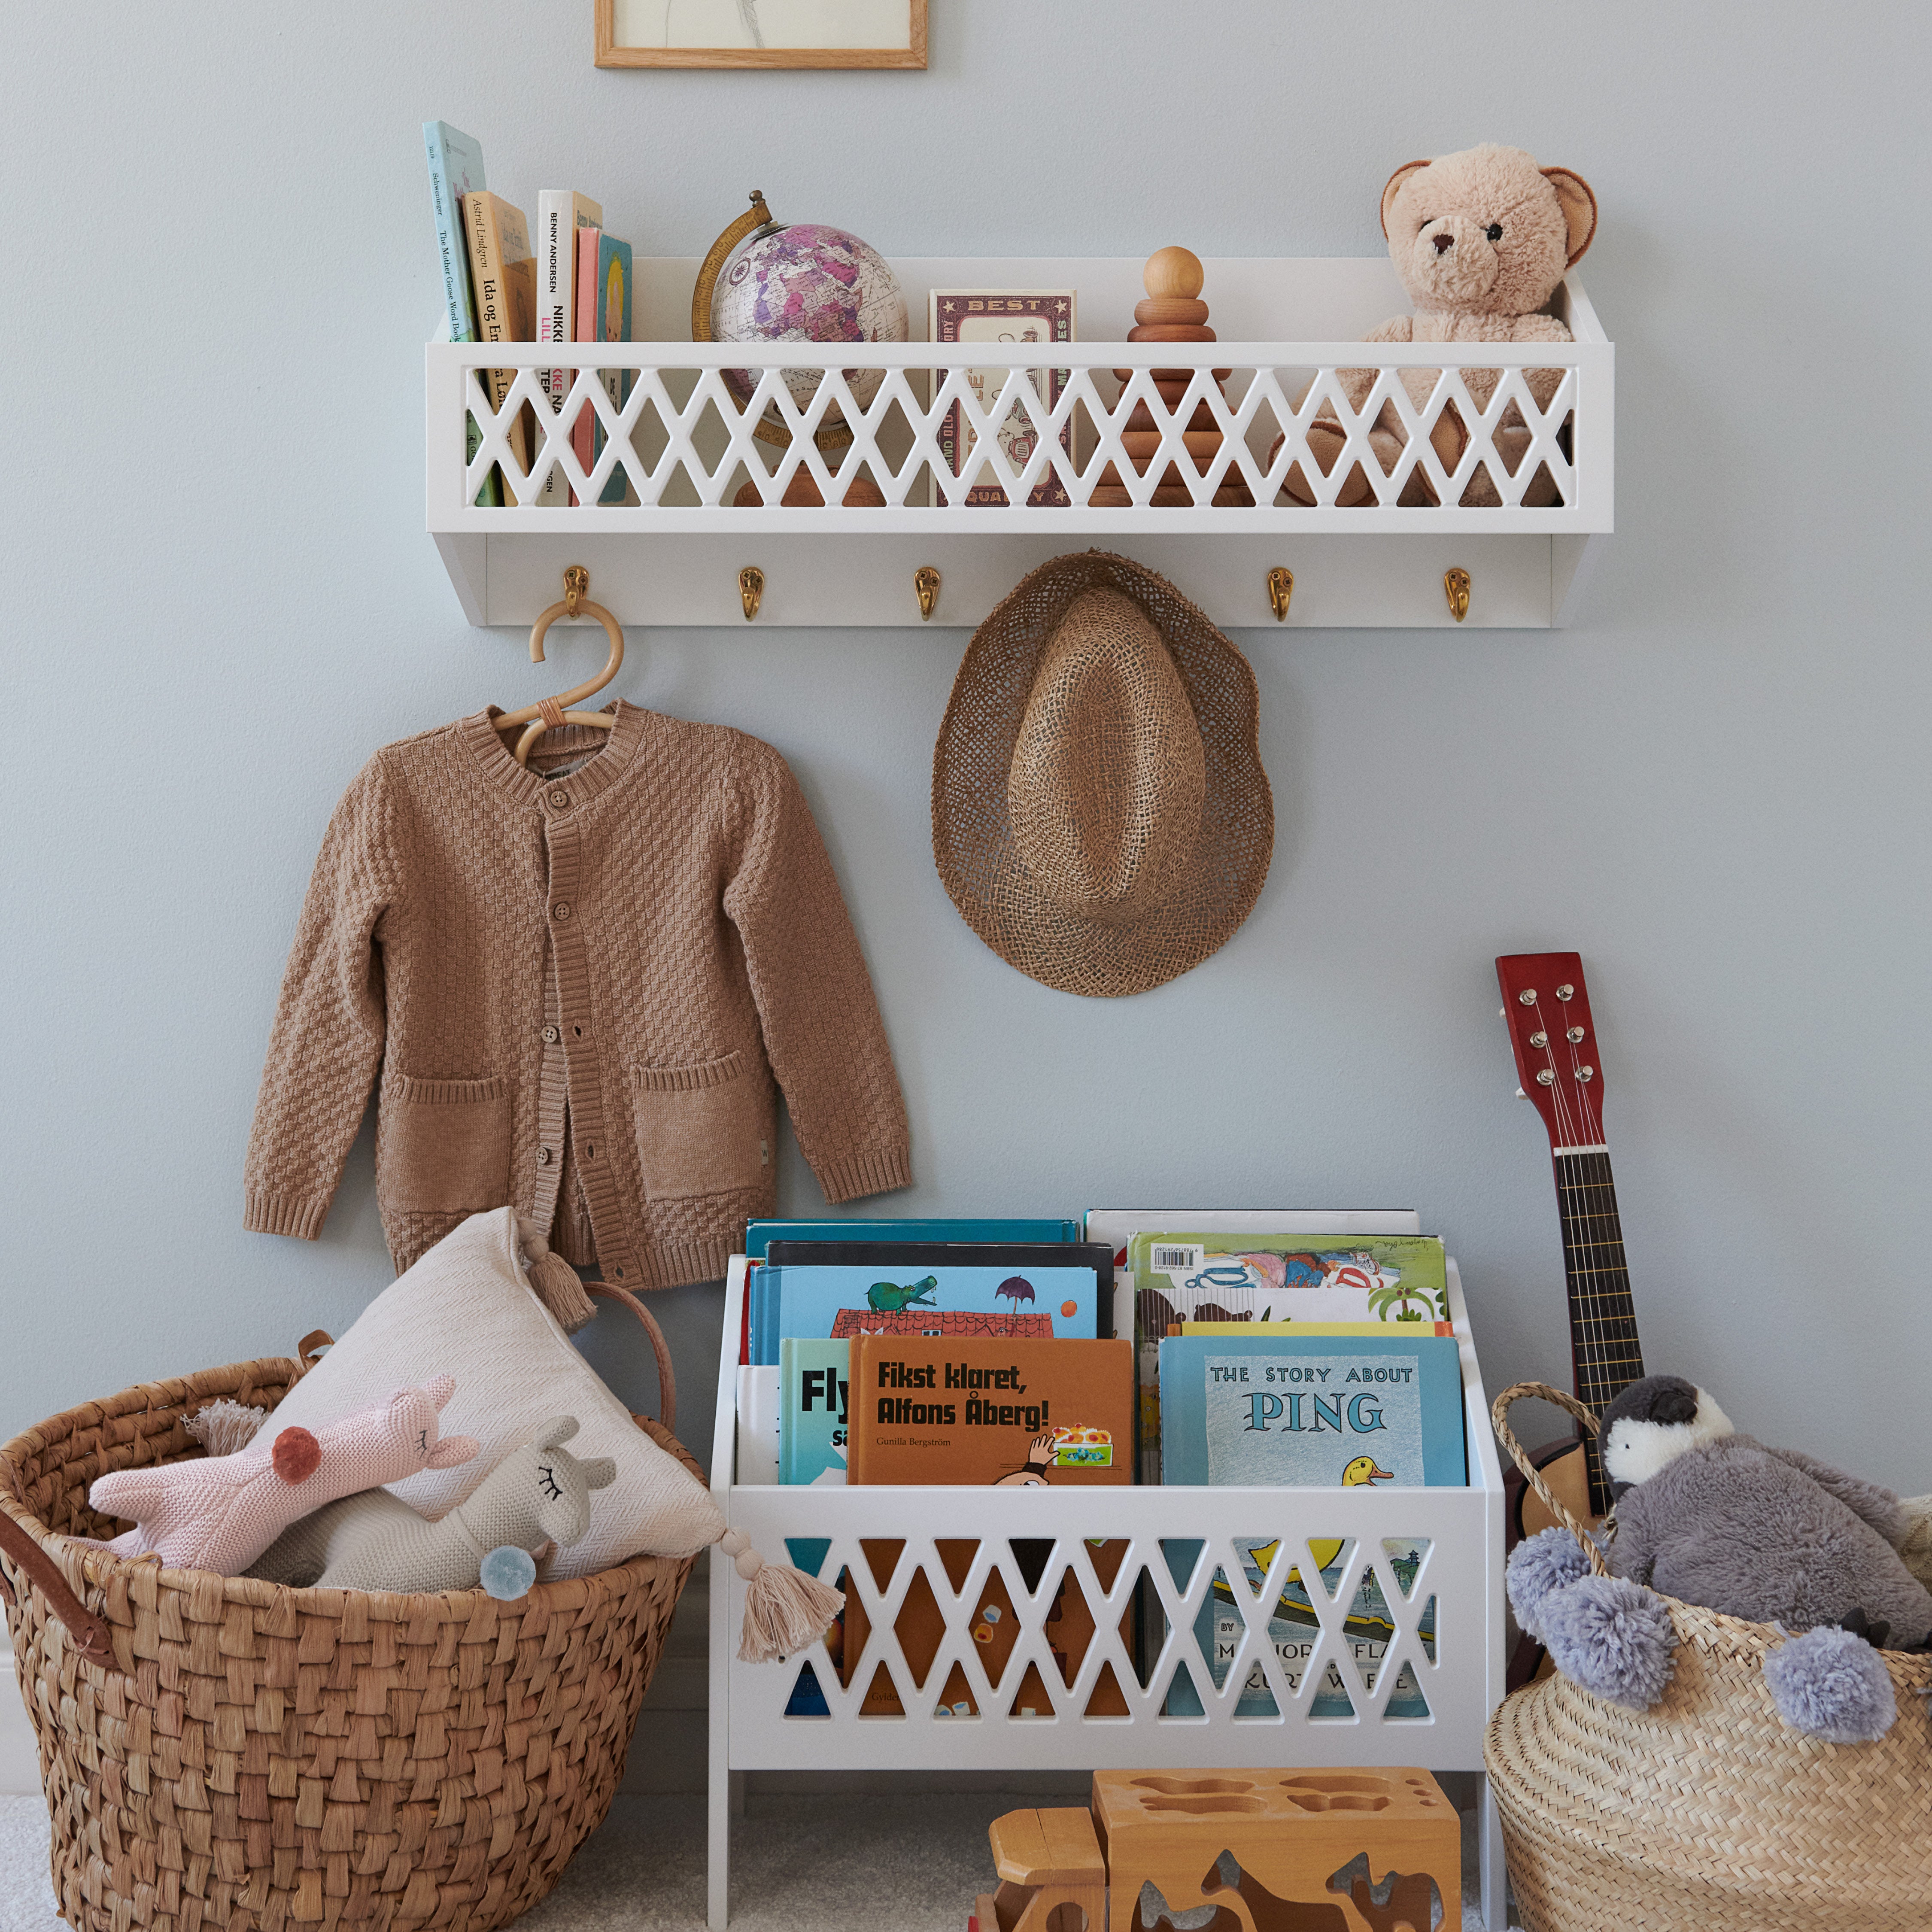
1108,774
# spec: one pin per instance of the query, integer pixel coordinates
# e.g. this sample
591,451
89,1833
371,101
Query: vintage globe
807,283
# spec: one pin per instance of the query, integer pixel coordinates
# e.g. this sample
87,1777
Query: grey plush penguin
1711,1516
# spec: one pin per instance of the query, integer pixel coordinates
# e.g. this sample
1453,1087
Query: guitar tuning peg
1502,1013
1521,1095
1546,1079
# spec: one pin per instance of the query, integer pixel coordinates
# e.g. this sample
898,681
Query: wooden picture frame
752,50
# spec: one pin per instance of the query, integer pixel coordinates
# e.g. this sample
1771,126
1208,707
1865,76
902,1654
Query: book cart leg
720,1780
1490,1859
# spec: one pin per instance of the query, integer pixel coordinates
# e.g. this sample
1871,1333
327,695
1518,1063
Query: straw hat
1100,814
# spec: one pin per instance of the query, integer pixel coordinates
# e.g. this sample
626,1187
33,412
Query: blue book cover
613,325
944,1299
814,1386
1294,1410
760,1234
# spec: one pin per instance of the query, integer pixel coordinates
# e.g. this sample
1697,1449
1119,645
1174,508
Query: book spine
493,307
452,253
585,435
556,289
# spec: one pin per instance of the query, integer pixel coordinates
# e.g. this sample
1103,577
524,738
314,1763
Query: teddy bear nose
1444,243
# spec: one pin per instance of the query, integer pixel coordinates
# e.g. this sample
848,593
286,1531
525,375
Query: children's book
1293,1630
584,434
1311,1327
1004,319
837,1290
815,1380
504,274
561,215
1014,1413
455,170
613,325
1282,1276
1343,1410
760,1234
1118,1226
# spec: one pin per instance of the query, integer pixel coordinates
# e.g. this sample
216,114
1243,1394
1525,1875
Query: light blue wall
219,600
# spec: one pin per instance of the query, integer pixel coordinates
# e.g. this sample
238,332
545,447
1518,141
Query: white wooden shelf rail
1461,1572
684,445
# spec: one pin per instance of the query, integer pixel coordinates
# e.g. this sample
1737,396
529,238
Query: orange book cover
981,1410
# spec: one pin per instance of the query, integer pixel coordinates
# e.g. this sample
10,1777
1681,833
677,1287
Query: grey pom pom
1613,1637
1538,1565
1832,1685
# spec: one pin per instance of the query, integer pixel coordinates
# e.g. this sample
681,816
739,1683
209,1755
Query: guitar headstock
1546,1007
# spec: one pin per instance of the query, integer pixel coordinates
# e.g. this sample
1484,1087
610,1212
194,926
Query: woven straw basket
1706,1811
225,1753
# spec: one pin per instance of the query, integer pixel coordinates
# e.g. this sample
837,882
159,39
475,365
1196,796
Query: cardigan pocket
445,1144
704,1129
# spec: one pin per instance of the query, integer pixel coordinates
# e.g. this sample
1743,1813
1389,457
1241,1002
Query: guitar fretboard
1602,1319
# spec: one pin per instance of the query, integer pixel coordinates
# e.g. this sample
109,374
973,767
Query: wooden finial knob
1174,272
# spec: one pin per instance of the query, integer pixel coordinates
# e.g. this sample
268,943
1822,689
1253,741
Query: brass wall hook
576,587
751,590
1280,589
925,581
1455,588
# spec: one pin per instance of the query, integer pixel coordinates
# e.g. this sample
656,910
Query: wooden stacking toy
1173,312
1287,1834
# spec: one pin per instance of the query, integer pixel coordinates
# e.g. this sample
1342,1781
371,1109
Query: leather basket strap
91,1638
667,1381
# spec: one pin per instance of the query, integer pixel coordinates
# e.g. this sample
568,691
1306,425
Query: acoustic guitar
1546,1007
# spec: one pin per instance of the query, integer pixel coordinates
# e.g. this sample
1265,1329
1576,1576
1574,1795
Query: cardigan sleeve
327,1040
823,1036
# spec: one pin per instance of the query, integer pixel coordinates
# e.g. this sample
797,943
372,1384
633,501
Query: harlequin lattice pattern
1099,1597
685,446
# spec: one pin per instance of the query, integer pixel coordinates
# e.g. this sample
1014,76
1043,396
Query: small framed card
1023,317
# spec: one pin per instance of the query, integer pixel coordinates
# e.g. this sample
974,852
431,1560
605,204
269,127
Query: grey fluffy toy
1709,1516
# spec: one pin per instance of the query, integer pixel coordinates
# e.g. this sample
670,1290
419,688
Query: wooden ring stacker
549,712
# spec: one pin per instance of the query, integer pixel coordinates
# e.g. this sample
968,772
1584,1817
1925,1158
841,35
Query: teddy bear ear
1395,181
1579,209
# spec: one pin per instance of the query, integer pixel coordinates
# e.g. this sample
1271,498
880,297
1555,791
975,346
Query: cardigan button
560,799
561,911
543,1156
551,1035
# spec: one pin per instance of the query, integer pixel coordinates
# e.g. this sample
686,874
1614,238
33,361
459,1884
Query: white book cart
886,1539
673,553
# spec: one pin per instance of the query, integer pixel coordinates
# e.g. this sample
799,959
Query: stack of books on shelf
1209,1348
575,286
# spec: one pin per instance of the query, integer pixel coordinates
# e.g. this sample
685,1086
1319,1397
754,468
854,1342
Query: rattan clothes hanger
537,718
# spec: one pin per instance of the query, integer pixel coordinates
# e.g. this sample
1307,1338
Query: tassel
785,1608
223,1425
554,1280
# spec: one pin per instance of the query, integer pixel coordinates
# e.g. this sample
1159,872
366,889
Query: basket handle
91,1636
1498,1414
667,1380
309,1347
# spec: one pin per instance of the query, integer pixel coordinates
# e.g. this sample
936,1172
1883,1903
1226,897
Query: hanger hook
576,588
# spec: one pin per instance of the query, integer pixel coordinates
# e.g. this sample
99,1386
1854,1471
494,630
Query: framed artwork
761,33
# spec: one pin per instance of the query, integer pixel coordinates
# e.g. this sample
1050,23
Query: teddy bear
1709,1516
1481,240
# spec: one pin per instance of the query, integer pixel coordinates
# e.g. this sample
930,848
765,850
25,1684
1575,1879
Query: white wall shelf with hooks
673,556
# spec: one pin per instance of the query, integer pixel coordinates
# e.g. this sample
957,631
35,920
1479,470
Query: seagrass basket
1706,1811
219,1752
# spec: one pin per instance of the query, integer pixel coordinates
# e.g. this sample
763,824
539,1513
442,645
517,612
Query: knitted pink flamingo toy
220,1513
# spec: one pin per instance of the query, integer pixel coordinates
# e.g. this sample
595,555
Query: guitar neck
1604,1354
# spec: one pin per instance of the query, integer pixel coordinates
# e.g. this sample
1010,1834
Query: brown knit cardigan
578,985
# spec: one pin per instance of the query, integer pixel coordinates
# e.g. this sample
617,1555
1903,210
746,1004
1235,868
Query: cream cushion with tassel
479,1305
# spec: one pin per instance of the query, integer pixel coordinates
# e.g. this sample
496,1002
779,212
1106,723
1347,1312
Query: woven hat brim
972,843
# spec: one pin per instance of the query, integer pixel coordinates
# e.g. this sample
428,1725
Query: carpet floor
801,1863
